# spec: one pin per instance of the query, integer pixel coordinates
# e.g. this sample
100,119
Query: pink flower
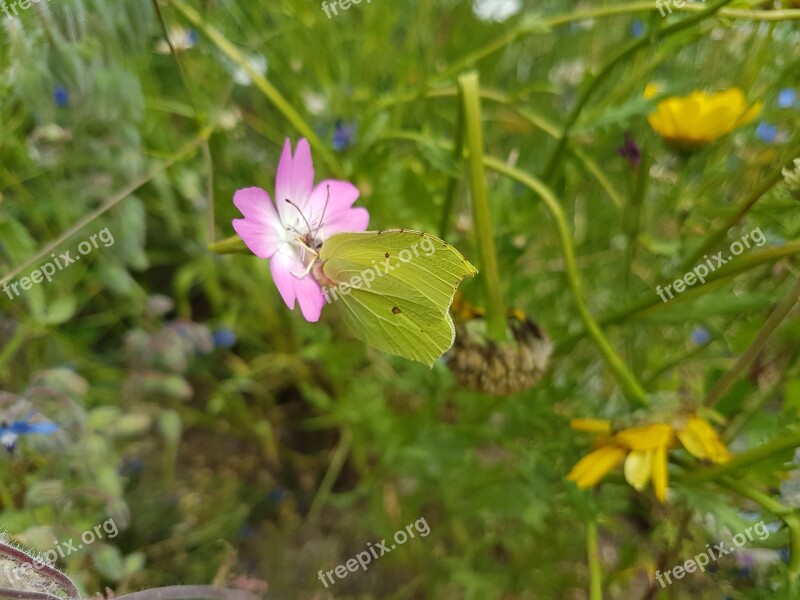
291,235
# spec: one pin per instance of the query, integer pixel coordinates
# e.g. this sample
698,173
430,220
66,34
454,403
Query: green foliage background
287,453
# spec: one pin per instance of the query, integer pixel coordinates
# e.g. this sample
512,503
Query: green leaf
61,310
394,288
233,245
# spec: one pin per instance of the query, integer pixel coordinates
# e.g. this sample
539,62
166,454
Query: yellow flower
644,449
700,439
692,121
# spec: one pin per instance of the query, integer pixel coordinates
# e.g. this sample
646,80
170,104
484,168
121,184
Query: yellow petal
651,89
593,467
638,468
646,437
660,473
699,118
750,114
591,425
702,441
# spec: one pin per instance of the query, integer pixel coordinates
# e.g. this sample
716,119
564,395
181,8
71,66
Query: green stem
595,574
628,50
481,211
751,407
334,469
270,91
786,514
458,154
112,201
713,239
11,346
743,460
547,23
744,264
633,389
765,501
767,329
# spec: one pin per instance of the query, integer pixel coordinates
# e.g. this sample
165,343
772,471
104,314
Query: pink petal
291,288
343,195
350,219
260,229
310,297
295,178
338,214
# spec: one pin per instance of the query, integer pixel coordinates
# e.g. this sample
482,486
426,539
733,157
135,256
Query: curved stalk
631,387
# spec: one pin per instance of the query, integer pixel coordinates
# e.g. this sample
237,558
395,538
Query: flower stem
653,302
547,23
626,51
633,389
788,515
770,325
452,185
743,209
595,574
265,87
481,212
745,459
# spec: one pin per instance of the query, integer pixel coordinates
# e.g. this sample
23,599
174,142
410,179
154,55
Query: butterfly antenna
324,208
301,214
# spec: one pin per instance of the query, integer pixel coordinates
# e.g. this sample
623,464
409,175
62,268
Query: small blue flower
277,495
787,98
343,134
701,336
224,338
767,132
9,433
131,466
61,97
637,28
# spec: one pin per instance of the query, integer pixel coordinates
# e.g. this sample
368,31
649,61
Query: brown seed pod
504,368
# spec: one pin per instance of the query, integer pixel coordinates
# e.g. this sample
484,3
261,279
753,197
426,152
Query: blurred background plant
233,442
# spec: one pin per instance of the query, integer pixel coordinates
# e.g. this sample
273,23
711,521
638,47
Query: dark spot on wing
386,255
396,310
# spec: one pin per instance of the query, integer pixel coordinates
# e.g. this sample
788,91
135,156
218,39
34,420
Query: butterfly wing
394,288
